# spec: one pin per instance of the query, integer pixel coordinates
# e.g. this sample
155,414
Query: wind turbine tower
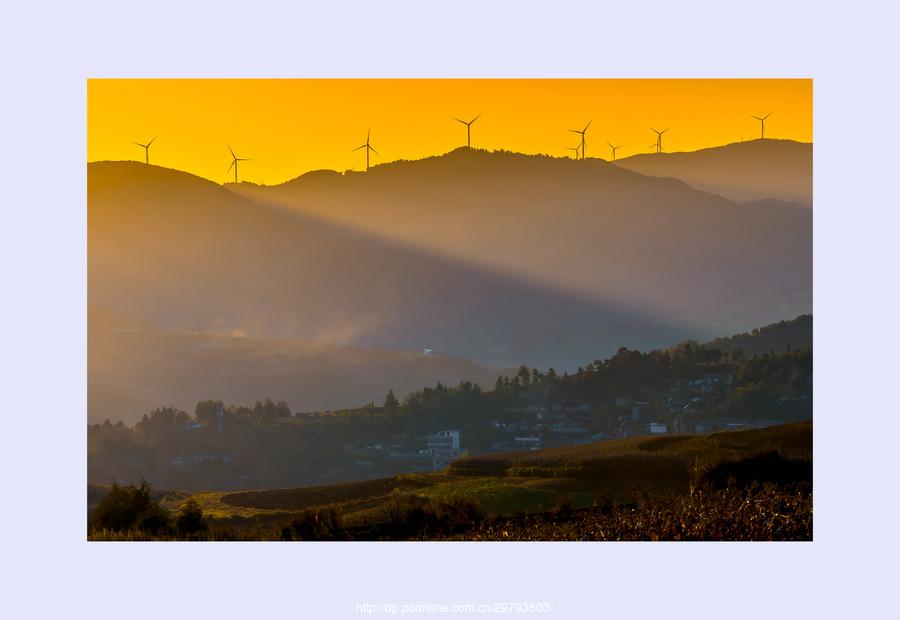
659,135
368,148
234,163
762,124
614,149
582,132
146,148
468,129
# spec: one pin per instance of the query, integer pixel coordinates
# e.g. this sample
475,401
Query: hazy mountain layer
134,368
187,254
655,245
743,171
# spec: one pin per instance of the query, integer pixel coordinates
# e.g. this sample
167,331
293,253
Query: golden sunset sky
288,127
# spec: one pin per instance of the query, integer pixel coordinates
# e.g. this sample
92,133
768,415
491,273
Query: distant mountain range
743,171
325,290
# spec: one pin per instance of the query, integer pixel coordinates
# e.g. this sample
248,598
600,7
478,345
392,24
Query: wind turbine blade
373,150
151,141
610,144
460,120
139,144
231,166
664,130
767,116
475,119
232,152
368,135
574,131
360,147
586,126
756,117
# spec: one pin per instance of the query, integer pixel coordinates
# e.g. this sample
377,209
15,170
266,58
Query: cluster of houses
404,453
534,426
677,407
181,461
682,407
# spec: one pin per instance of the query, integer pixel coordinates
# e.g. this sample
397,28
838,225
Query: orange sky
288,127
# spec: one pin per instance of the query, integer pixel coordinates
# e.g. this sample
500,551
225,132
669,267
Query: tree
190,519
752,400
524,376
162,428
267,412
206,411
129,507
391,404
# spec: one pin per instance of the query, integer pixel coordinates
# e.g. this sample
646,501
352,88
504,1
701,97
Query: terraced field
536,481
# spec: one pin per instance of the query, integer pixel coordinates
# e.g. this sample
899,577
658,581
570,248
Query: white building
568,427
656,428
527,443
443,447
637,409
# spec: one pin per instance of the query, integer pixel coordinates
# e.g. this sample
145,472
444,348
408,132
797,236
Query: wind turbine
468,129
234,162
614,149
368,148
582,132
569,148
762,124
659,135
146,148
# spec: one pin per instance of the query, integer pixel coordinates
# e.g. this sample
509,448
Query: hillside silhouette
741,171
792,334
656,245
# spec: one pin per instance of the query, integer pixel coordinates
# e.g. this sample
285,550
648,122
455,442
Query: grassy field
577,488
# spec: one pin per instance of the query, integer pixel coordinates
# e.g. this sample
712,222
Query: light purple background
48,51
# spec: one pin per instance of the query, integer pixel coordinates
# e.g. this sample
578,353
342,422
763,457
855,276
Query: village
682,407
630,395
